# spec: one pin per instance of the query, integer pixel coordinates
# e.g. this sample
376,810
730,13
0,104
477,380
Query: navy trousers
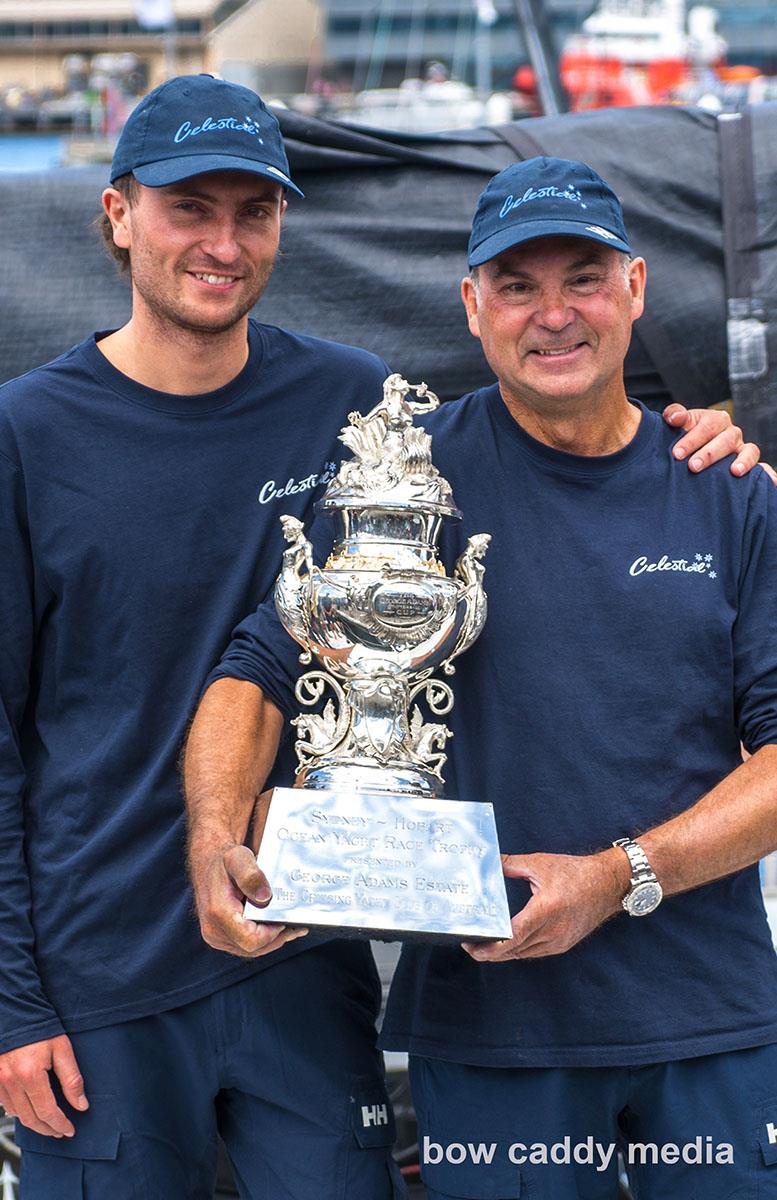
282,1065
697,1129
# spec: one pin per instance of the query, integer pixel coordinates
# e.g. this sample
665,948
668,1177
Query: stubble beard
177,316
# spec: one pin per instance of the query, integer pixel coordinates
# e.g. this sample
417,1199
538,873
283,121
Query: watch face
644,899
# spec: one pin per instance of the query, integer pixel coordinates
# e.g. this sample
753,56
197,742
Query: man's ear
117,209
469,296
637,281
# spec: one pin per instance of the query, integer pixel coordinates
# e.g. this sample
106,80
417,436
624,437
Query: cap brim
173,170
529,231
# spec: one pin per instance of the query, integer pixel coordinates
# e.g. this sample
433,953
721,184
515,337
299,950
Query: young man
142,474
631,643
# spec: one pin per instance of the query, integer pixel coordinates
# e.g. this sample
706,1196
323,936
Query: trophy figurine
364,843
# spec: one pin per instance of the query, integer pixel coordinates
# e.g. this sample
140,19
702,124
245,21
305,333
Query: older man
631,645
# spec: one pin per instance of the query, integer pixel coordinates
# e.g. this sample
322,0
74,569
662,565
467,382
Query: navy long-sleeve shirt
136,528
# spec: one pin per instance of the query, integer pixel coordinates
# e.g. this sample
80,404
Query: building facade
37,36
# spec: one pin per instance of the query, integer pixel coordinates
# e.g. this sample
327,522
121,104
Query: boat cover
375,253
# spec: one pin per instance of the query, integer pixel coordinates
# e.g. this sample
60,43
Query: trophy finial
392,457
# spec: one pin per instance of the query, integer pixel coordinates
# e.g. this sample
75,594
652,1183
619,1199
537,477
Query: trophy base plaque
377,865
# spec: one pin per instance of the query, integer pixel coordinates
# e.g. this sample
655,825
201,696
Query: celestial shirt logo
700,564
547,193
247,125
277,491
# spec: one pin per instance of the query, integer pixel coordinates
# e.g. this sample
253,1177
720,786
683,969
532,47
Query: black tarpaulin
375,253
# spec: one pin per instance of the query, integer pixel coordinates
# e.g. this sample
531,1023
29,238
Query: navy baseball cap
545,197
197,123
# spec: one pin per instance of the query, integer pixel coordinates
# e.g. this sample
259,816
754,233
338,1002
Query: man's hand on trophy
223,881
571,896
229,751
711,435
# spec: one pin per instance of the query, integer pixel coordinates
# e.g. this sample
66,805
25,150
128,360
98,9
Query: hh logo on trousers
771,1132
374,1114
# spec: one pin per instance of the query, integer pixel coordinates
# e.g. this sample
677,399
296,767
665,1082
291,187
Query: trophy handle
469,571
292,588
319,735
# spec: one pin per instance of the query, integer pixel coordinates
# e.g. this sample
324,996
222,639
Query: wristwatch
645,893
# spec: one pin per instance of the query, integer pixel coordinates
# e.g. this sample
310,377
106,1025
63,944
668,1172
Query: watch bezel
638,892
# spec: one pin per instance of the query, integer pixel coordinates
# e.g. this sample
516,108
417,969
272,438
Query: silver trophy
364,842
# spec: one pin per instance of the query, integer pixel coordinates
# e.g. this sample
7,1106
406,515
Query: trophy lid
392,465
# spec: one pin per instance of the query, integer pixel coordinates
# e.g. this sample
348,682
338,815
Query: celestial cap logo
539,194
247,125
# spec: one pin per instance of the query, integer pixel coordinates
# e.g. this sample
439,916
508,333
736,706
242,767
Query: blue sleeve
25,1013
262,652
755,629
